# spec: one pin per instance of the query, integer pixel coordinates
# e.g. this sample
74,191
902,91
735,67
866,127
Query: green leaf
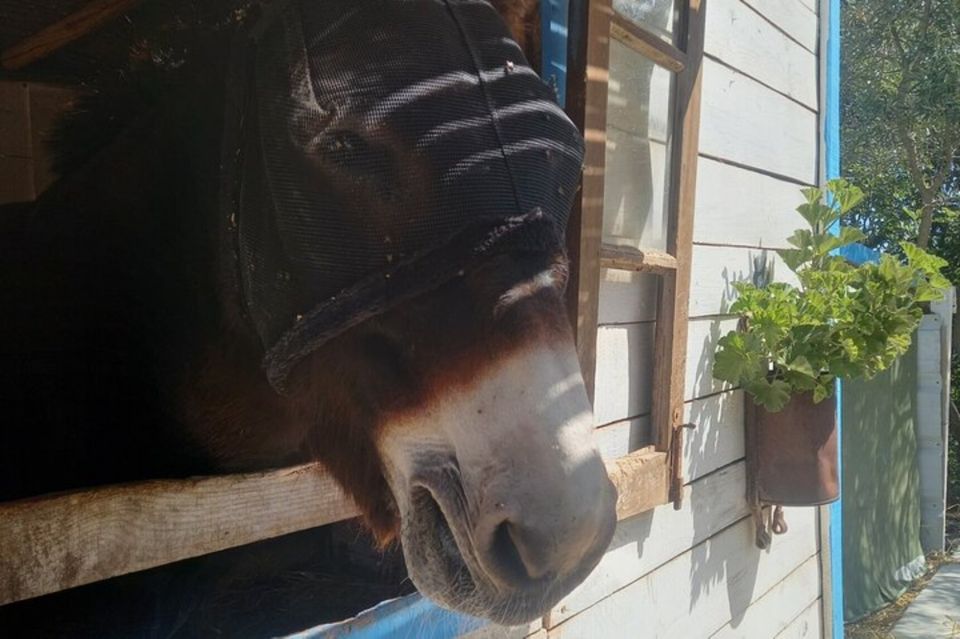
921,259
850,235
841,321
913,214
733,361
846,195
822,391
773,395
795,258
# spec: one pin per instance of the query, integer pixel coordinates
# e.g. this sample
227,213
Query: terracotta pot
792,454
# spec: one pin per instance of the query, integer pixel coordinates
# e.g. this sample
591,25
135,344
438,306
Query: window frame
653,475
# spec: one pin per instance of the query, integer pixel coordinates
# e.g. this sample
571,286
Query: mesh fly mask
374,150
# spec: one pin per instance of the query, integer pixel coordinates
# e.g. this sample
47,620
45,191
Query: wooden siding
28,114
702,589
695,572
744,208
747,41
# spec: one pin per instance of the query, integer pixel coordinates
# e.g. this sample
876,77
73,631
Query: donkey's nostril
521,554
507,556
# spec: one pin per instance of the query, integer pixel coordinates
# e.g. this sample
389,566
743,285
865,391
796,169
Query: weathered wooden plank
717,439
699,591
744,208
747,123
701,345
774,611
716,268
745,40
61,33
806,625
641,480
623,438
643,543
796,17
627,297
60,541
624,372
627,258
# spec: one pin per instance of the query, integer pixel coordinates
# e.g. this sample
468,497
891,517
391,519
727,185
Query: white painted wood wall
933,419
696,572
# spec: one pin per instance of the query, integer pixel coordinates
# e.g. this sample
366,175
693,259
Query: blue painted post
554,15
831,142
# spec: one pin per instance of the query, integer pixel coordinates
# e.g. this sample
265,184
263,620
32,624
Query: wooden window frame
653,475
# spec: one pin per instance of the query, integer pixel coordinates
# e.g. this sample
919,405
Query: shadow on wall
881,488
731,560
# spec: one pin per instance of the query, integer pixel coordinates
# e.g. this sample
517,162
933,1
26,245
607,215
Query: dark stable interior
270,588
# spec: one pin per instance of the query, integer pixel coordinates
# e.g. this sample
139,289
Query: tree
901,117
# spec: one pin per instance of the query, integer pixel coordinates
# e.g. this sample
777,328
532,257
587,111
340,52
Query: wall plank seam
779,27
765,85
754,169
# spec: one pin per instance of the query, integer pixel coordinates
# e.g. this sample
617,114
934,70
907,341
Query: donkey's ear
523,19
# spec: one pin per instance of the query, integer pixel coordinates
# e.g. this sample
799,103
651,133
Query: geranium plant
842,321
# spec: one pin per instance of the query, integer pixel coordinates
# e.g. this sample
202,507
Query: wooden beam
63,32
588,74
55,542
627,258
647,44
60,541
642,481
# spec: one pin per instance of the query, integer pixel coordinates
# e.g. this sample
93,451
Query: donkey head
406,182
461,423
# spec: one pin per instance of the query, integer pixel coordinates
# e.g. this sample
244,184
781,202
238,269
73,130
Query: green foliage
843,321
900,100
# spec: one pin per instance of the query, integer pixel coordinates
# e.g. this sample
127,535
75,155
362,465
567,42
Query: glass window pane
657,16
639,118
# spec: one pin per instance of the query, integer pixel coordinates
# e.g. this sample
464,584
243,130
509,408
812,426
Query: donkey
249,273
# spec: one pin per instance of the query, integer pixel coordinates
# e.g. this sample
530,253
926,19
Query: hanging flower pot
792,454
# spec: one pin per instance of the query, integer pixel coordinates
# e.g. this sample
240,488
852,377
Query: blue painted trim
554,15
831,144
411,617
858,254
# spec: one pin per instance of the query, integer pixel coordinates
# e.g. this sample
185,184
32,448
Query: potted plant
843,321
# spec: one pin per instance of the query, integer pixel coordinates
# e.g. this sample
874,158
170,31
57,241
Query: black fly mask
376,149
